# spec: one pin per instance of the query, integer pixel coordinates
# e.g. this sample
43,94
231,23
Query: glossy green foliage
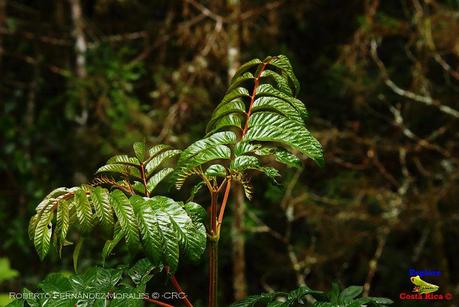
161,226
142,172
96,287
349,297
123,209
258,117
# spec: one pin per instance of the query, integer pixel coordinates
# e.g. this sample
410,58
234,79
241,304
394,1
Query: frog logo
422,287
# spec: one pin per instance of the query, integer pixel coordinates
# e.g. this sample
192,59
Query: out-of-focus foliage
121,286
6,273
348,297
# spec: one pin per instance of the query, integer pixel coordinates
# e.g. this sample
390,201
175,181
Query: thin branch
32,36
427,100
32,61
425,143
205,11
213,213
177,286
223,205
263,227
261,10
373,264
144,179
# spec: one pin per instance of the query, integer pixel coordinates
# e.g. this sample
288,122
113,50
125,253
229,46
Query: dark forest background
82,80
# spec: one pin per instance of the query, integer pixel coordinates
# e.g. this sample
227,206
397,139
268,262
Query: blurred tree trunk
2,26
80,51
237,224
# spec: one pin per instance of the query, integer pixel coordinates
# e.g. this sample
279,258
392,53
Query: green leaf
140,273
155,162
197,213
111,244
63,289
120,169
271,127
256,300
32,225
282,62
240,80
157,178
223,111
246,66
62,224
126,295
30,298
167,230
186,166
296,295
125,214
42,237
273,104
195,190
215,170
271,172
281,83
380,300
242,163
269,91
76,254
83,211
219,138
139,150
55,282
152,238
103,211
350,293
287,158
124,159
333,294
52,197
153,151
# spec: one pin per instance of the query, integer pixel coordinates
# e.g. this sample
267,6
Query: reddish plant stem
144,179
213,271
180,290
223,205
213,213
156,302
213,251
252,98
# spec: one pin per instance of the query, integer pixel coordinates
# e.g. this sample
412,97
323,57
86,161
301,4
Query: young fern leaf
141,169
259,116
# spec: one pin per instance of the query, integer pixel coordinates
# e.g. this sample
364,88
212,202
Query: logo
424,290
421,286
423,273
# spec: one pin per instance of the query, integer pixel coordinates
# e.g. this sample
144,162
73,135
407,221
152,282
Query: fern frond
137,171
259,116
159,225
162,227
